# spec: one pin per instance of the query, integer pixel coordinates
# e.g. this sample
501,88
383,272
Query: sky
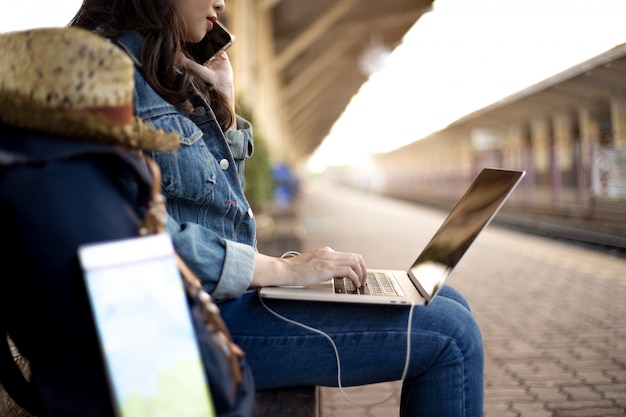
26,14
460,57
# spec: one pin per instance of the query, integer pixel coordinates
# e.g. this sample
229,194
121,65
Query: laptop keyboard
376,284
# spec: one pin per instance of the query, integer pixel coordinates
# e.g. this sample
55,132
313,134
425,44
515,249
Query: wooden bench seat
288,402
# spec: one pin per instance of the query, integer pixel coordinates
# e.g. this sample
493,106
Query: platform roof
318,47
591,84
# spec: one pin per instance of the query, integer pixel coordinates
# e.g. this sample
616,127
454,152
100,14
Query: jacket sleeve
224,267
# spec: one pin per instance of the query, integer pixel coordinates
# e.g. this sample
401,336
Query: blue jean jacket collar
132,43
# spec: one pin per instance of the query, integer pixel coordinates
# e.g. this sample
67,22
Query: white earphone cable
314,330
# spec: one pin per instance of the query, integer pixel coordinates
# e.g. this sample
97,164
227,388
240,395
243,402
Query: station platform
551,312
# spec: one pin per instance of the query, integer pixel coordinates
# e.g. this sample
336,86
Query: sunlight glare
462,56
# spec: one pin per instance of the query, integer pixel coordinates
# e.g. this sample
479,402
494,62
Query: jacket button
224,164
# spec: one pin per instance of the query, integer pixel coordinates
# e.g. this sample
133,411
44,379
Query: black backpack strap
11,376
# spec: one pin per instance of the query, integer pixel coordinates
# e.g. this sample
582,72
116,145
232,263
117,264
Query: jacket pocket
191,171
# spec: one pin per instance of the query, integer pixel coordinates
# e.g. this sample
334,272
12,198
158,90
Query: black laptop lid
468,218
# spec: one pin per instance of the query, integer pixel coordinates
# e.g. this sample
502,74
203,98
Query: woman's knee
451,318
452,294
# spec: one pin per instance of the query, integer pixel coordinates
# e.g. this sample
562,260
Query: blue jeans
445,375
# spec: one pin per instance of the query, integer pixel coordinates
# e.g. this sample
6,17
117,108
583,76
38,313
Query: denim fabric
445,376
213,231
209,218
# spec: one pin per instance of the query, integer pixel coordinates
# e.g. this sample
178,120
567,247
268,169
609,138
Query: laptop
422,281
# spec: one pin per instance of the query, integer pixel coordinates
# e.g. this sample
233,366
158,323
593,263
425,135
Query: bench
288,402
284,402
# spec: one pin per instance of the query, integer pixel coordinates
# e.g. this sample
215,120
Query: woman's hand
309,268
218,73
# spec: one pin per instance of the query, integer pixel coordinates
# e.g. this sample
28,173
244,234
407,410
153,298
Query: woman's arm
227,269
308,268
224,267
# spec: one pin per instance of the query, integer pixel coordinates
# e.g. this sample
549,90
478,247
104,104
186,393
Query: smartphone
214,43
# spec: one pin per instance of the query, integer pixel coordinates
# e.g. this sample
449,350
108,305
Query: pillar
618,120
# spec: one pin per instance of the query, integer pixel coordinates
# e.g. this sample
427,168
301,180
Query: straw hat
75,84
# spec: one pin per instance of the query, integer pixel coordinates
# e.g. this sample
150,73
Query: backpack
49,320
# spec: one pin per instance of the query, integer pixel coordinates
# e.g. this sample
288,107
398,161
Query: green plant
258,178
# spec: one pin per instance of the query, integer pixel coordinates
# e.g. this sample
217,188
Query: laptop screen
471,214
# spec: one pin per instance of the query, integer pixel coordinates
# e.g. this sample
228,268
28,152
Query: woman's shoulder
154,109
131,42
149,105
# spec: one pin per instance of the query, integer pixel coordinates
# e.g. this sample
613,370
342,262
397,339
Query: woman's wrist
269,271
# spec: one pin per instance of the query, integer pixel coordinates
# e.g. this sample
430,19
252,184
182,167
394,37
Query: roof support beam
314,72
314,31
267,5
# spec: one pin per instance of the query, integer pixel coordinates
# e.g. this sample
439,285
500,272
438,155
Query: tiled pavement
553,315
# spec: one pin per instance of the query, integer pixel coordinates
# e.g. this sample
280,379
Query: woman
213,230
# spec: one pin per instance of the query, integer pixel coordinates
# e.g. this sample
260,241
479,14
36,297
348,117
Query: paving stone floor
553,315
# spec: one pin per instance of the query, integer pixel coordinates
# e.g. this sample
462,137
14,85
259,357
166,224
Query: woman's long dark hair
160,58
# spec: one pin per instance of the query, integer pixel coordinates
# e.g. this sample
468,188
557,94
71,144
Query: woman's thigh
361,344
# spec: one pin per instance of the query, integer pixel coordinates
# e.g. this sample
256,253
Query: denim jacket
210,221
